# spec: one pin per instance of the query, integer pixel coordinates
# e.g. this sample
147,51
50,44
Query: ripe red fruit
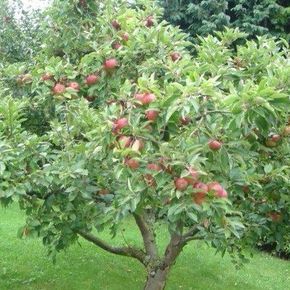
46,77
275,216
202,189
110,64
138,145
214,145
116,24
154,167
175,56
121,123
149,21
58,89
74,85
181,184
116,45
91,79
139,97
132,163
125,36
194,173
124,141
185,120
148,98
218,190
275,138
151,114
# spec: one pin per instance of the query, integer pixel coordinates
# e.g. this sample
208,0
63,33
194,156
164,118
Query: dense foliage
19,30
253,17
117,120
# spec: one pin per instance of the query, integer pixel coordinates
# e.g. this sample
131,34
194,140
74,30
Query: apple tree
119,122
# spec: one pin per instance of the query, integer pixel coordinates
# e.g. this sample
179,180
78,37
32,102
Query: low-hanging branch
122,251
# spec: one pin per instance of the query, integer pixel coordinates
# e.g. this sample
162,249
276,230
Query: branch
190,234
147,235
122,251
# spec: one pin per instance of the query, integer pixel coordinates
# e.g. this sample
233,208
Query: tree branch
122,251
190,234
148,236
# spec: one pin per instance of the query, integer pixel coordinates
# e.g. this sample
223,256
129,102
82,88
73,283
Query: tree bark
156,280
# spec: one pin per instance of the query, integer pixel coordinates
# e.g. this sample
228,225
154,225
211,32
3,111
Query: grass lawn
24,265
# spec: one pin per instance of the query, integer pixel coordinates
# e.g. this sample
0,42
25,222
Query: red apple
121,123
132,163
275,137
116,45
149,21
148,98
124,141
110,64
137,145
175,56
214,145
154,167
181,184
151,114
218,190
116,24
125,36
91,79
58,89
275,216
202,189
74,85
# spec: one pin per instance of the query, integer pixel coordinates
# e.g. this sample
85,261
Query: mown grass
24,265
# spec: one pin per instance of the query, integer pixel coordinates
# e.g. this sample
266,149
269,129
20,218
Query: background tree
133,128
254,17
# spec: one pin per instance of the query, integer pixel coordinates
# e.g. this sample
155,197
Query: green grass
24,265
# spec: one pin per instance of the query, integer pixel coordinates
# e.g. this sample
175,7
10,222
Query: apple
132,163
125,36
145,98
74,85
181,184
121,123
202,189
137,145
154,167
286,131
124,141
270,143
214,145
175,56
152,114
116,45
275,137
91,79
110,64
218,190
185,120
275,216
46,77
116,24
149,21
58,89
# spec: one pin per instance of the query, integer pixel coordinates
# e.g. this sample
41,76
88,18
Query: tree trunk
156,280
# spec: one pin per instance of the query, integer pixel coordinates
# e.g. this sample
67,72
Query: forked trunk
156,280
